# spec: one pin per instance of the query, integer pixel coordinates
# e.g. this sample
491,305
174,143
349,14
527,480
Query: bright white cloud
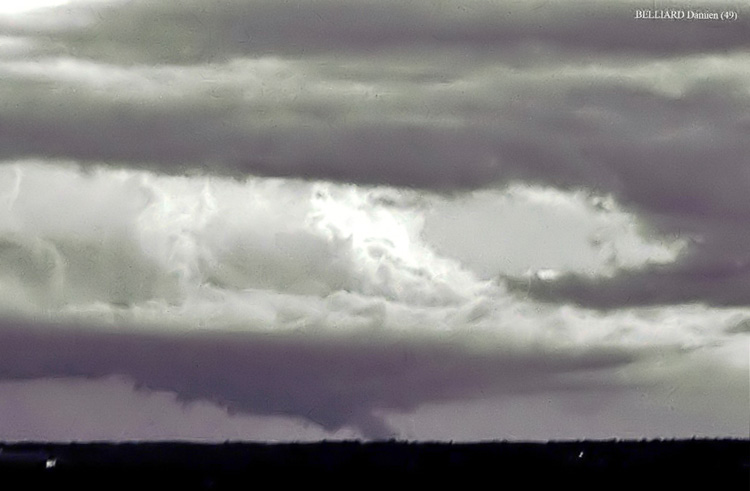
525,229
161,249
22,6
127,237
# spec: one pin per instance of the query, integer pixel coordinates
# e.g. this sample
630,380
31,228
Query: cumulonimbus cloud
340,122
279,297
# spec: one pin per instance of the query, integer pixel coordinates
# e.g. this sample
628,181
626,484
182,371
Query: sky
328,219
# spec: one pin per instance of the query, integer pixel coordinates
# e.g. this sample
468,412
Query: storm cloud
333,382
327,210
316,301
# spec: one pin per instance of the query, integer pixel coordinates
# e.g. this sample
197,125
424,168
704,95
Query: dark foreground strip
673,464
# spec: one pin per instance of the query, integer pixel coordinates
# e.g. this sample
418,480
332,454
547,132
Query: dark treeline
720,464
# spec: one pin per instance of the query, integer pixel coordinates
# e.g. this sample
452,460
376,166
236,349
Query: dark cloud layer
720,284
657,152
197,32
675,153
335,382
